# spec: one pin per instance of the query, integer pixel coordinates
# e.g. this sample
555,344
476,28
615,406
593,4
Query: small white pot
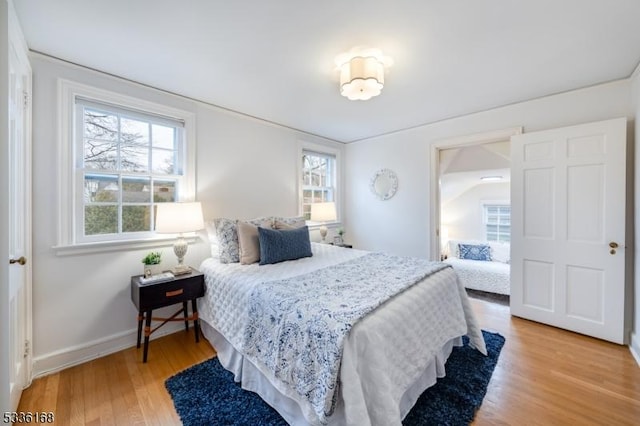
149,270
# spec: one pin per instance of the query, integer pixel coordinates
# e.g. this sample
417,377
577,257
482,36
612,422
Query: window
318,179
130,161
120,157
497,222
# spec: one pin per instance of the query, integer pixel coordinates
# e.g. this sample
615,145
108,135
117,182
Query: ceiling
275,59
462,168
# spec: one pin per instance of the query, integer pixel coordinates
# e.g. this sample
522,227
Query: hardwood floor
118,389
545,376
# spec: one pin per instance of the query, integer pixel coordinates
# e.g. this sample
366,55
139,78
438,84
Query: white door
568,228
19,212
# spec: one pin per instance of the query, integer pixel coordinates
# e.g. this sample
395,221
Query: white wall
635,337
463,216
401,225
82,304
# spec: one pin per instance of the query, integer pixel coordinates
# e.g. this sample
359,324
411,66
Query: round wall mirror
384,184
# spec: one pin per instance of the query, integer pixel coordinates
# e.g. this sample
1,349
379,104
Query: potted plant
151,263
339,240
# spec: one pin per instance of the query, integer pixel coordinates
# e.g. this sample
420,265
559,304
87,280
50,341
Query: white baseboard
634,347
75,355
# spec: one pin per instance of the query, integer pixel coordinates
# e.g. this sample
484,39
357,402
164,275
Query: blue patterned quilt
297,326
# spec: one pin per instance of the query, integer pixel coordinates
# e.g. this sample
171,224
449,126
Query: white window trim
321,149
67,185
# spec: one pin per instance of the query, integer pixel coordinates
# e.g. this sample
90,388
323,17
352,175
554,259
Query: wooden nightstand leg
147,333
185,308
196,325
140,318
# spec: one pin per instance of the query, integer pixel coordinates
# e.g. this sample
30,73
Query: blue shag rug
206,394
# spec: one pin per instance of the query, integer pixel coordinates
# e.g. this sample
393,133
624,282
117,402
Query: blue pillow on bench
283,244
474,252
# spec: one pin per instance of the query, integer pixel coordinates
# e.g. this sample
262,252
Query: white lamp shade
176,218
323,212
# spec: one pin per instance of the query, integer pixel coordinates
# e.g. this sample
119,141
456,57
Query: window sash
326,181
497,222
130,112
125,210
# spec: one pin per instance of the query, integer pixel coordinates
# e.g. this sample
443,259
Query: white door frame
455,142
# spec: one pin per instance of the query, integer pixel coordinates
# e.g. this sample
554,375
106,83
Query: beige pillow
248,241
288,222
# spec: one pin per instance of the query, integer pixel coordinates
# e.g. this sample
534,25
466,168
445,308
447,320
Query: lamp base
181,270
323,233
180,249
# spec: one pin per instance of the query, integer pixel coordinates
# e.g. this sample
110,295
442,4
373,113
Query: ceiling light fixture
490,178
362,72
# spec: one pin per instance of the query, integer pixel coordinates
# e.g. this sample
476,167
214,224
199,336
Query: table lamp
178,218
323,212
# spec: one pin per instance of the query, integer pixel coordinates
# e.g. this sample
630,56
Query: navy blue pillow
278,245
474,252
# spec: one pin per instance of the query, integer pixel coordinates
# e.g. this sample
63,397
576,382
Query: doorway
472,211
493,147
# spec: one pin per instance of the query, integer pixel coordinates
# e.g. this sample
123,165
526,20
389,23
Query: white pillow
213,238
500,252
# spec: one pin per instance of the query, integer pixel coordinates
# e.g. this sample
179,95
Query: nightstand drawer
153,296
164,294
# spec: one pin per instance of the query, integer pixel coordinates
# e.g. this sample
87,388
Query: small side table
342,245
147,297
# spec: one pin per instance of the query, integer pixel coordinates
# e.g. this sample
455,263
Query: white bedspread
386,354
493,277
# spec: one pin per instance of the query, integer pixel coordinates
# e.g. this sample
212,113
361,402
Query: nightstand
342,245
181,289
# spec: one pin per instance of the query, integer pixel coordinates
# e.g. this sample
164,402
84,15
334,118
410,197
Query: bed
387,359
491,273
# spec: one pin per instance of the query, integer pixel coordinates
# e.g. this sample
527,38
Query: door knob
613,246
21,260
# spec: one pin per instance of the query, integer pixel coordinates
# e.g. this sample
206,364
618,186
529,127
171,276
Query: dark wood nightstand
147,297
342,245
